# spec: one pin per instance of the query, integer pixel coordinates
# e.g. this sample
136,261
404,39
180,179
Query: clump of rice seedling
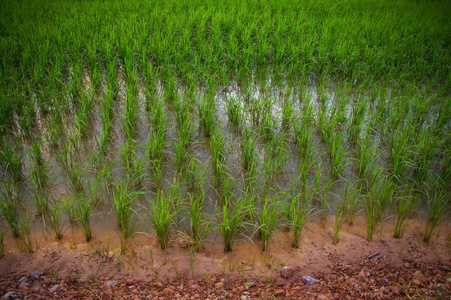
218,152
55,221
70,210
131,109
345,208
199,225
437,206
337,156
25,234
11,161
162,217
9,210
298,212
154,153
231,221
123,201
399,152
424,152
275,158
267,221
83,114
406,204
207,115
376,202
325,196
235,112
287,114
84,217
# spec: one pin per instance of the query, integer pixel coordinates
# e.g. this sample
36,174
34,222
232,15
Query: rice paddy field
223,121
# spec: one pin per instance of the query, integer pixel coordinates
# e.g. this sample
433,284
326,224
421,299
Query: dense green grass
237,100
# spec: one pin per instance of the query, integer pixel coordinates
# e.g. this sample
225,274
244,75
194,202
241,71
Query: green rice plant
218,151
154,153
248,150
231,221
127,154
366,155
275,159
39,173
70,210
83,114
235,112
76,176
162,217
84,217
406,205
184,142
11,160
256,109
287,114
437,206
337,156
376,202
325,196
25,234
424,152
268,127
345,208
195,175
267,222
357,119
106,118
9,210
55,221
399,148
131,109
41,201
200,225
206,114
123,202
303,138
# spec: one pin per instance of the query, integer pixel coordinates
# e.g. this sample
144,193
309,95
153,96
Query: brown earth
404,268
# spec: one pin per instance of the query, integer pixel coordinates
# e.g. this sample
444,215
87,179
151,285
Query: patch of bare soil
385,268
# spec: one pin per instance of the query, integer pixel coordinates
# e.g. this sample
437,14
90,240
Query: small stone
23,279
36,274
111,283
446,268
245,297
309,280
219,284
287,272
55,288
376,255
23,285
362,274
279,292
322,297
9,295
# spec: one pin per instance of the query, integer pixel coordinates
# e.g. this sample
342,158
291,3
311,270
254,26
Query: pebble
287,272
219,284
9,295
23,279
23,285
36,274
309,280
111,283
55,288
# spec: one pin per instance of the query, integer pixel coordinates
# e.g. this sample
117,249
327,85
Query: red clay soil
405,268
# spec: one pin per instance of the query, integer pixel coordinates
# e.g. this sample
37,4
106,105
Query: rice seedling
218,152
55,221
275,159
337,156
345,208
9,210
162,217
287,114
206,114
11,161
70,210
84,216
376,202
200,225
248,150
406,205
82,116
131,109
325,196
267,222
25,234
154,153
231,221
399,152
437,206
235,112
123,202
